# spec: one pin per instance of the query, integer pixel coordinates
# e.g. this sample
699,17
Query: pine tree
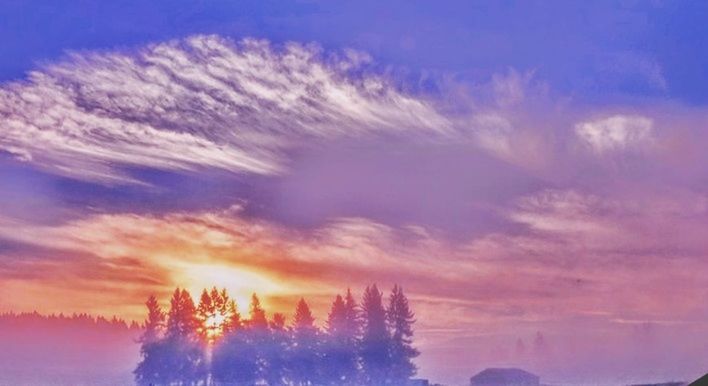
235,360
353,319
206,312
238,357
402,352
182,319
305,359
337,318
184,351
340,352
155,323
375,343
220,299
152,368
257,317
278,322
232,321
275,352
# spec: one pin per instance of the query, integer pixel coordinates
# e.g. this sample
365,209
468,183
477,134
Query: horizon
519,168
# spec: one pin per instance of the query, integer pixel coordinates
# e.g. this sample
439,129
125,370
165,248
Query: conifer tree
353,320
257,317
219,299
155,322
305,359
276,351
402,352
206,313
153,368
182,319
185,355
340,352
375,342
232,321
235,360
278,322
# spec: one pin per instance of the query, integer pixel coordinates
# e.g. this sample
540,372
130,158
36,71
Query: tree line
211,344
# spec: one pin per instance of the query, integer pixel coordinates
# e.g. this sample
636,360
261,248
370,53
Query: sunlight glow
238,282
215,326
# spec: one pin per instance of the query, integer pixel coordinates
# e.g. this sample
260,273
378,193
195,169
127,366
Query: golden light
215,326
239,283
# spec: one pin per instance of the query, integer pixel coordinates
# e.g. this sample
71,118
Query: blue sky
597,51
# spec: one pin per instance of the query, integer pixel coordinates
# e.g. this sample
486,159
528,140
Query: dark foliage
209,344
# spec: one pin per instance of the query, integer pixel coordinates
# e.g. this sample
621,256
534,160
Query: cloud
511,88
203,102
618,132
584,261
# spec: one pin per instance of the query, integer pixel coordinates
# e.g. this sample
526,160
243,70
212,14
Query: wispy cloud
615,133
201,102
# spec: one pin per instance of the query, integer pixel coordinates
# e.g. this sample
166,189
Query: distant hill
66,350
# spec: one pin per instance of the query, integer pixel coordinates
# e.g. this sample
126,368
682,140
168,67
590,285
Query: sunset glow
239,283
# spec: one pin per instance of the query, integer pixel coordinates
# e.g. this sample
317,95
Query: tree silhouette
257,317
235,360
152,369
155,322
402,352
372,346
340,346
187,362
275,352
206,313
375,340
182,320
232,321
305,356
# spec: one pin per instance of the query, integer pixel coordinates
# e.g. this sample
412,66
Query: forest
210,343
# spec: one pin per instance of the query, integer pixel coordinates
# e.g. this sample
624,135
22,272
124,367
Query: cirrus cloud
201,102
618,132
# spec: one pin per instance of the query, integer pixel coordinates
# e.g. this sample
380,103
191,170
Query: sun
240,283
214,325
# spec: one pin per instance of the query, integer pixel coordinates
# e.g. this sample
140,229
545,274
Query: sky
518,167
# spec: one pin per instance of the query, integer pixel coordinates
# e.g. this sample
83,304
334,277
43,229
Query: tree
152,368
206,312
235,360
305,358
182,318
257,317
375,340
220,300
340,351
278,322
155,322
402,352
181,349
371,345
275,352
353,319
233,318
